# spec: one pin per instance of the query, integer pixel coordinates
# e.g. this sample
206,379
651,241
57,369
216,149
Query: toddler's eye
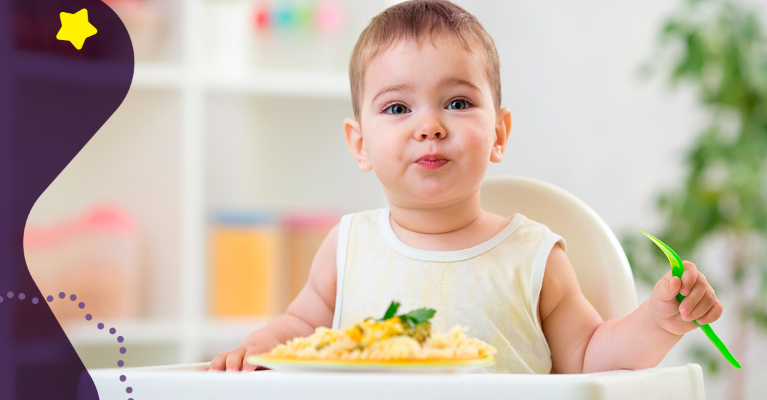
396,109
461,104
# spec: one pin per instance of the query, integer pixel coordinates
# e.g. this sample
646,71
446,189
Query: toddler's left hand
700,302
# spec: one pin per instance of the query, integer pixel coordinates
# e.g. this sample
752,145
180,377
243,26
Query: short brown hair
414,20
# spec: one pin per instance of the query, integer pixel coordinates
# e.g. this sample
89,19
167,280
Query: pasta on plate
406,337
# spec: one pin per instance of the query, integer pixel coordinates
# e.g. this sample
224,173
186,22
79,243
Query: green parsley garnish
413,318
419,316
391,310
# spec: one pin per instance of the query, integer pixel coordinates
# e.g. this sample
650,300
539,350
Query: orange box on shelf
245,258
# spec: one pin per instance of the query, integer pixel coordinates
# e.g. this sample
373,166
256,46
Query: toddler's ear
356,144
502,128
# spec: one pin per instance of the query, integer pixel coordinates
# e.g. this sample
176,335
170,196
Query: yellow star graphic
75,28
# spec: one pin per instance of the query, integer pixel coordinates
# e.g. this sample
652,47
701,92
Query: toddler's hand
700,302
235,360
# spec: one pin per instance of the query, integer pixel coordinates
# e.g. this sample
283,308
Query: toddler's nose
430,126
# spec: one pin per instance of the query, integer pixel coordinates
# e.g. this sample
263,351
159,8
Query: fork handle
719,345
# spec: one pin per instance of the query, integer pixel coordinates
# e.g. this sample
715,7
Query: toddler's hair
413,21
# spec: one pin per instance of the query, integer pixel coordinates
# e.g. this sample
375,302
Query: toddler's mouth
432,161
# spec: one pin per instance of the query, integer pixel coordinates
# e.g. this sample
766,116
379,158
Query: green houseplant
718,47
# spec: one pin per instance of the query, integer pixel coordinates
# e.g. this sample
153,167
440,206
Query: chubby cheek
385,159
476,151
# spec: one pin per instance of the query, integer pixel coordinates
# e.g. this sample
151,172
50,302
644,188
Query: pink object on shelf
305,233
104,219
261,16
97,255
330,15
305,220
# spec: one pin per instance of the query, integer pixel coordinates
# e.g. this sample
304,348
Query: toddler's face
429,125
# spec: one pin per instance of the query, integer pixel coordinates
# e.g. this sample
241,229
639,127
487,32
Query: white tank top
491,288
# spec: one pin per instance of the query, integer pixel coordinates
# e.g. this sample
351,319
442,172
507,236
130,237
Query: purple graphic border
53,99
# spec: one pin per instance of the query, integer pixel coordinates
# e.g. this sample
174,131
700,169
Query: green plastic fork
677,269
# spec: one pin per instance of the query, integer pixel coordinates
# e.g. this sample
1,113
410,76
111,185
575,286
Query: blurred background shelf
158,75
282,83
134,331
223,333
192,139
158,331
277,83
155,341
215,119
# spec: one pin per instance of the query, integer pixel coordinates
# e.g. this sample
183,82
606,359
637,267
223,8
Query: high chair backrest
593,250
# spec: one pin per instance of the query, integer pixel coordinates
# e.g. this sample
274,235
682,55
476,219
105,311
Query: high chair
596,255
604,276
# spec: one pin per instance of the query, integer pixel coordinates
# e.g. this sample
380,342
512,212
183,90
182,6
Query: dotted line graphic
88,317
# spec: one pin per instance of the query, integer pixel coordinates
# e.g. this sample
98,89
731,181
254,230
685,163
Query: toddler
426,95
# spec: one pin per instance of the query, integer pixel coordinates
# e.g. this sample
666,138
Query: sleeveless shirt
492,288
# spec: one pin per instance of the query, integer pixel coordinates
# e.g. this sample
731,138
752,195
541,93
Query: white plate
291,365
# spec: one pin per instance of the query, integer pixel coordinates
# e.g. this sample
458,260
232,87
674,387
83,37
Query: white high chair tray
192,382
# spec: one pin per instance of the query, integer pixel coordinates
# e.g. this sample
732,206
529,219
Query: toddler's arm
313,307
582,342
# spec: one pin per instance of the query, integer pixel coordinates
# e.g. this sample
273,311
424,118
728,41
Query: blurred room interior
196,210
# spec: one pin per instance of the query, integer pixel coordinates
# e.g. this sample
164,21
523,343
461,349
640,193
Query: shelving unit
157,76
321,85
160,331
242,125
